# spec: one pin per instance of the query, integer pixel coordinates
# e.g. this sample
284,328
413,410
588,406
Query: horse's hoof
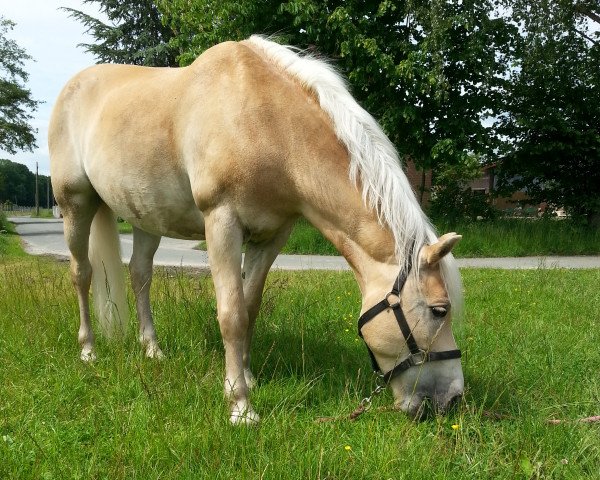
153,351
87,355
246,417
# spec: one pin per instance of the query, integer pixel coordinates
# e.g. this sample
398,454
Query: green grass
307,240
10,244
44,213
124,226
530,341
501,238
523,237
30,212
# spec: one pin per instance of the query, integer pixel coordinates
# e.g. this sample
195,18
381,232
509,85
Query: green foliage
452,199
17,184
135,35
436,74
15,100
554,108
429,71
125,417
200,24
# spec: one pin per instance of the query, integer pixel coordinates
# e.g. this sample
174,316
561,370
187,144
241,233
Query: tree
430,71
452,198
19,183
15,100
553,108
136,36
200,24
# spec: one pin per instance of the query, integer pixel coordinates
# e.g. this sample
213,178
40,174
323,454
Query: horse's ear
432,254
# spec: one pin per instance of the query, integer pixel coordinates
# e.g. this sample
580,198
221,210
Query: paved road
45,237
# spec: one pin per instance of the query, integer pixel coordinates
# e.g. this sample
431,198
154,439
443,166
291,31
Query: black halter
417,355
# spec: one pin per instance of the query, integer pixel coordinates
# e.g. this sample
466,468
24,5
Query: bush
452,203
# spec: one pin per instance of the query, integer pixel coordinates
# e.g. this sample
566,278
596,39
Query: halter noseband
417,355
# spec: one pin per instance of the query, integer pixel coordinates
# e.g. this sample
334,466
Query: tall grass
529,337
522,237
307,240
10,245
500,238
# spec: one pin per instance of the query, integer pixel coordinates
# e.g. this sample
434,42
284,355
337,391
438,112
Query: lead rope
364,405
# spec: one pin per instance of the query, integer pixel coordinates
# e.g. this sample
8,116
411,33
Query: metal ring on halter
418,358
390,304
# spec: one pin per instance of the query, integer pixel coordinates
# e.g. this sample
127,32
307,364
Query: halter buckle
390,304
418,358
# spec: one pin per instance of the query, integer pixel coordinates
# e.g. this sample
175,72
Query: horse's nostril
422,411
454,401
430,407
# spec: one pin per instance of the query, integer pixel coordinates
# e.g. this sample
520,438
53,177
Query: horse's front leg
140,267
224,242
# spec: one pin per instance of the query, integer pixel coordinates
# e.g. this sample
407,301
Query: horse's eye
439,312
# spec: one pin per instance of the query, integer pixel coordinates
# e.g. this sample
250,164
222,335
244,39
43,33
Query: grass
30,212
44,213
523,237
530,341
124,226
10,244
307,240
501,238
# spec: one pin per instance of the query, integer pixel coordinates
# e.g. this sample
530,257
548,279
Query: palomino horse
234,148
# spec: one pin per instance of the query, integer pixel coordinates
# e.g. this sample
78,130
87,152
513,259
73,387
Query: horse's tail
108,278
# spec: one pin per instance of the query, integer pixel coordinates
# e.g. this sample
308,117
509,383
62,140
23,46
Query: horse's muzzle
422,407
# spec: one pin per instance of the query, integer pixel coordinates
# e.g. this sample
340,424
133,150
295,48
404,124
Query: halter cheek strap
417,356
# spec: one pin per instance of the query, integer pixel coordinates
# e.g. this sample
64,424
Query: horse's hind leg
224,242
257,262
140,267
78,212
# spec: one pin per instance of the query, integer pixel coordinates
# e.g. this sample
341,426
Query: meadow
504,237
530,341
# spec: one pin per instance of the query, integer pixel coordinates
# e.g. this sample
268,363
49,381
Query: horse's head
420,358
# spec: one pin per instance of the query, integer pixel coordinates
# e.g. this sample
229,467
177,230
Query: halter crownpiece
417,356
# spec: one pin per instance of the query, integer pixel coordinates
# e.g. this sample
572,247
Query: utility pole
37,193
47,193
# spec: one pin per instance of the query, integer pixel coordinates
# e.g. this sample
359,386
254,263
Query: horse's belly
187,226
162,206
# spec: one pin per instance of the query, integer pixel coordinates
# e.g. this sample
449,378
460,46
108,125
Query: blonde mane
374,161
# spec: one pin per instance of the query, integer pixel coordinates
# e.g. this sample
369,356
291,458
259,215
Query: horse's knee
81,274
233,324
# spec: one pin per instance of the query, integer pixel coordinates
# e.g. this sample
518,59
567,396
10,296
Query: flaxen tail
108,278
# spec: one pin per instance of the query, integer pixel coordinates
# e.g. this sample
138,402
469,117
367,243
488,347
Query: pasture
504,237
530,341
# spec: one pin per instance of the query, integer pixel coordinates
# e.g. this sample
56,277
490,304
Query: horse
233,149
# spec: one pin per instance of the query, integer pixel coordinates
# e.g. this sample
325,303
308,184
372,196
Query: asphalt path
45,237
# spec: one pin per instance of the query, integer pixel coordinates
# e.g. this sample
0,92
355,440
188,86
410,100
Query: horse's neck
338,211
